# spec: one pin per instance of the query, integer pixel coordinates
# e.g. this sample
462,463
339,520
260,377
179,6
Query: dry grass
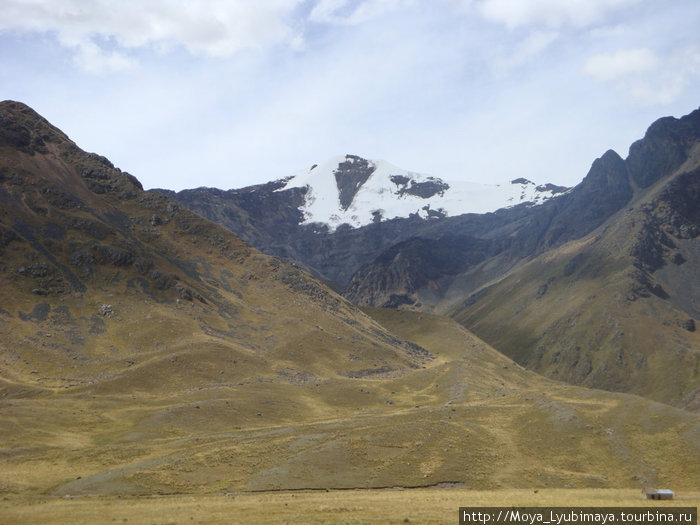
470,416
427,506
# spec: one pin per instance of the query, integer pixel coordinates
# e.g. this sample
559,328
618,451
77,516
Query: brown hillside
615,309
103,284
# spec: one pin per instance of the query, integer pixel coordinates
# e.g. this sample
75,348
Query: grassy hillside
107,287
470,417
614,310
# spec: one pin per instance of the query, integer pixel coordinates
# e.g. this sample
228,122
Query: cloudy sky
227,93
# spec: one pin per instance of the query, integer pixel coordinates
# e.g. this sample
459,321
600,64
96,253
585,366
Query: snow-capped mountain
351,190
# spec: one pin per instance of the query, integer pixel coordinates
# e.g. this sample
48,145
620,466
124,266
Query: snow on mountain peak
348,189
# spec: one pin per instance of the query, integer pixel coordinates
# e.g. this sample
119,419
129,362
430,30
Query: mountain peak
24,131
350,175
665,146
352,190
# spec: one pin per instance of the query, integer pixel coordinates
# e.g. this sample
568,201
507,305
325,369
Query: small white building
650,493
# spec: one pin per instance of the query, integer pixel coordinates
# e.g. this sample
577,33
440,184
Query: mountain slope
631,228
98,273
450,264
617,308
484,247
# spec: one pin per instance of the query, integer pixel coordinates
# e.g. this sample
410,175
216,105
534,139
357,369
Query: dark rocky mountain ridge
269,218
603,191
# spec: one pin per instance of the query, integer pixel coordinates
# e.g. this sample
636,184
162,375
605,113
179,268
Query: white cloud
644,77
671,81
94,59
460,6
552,13
217,28
620,64
347,13
528,49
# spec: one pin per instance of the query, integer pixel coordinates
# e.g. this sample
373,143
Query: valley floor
234,453
426,506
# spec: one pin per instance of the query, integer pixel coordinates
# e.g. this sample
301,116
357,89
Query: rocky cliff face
350,175
393,278
665,147
666,251
263,216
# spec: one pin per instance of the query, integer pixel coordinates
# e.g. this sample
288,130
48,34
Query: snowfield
391,192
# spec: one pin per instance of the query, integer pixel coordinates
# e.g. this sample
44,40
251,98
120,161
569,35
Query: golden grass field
450,428
375,506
